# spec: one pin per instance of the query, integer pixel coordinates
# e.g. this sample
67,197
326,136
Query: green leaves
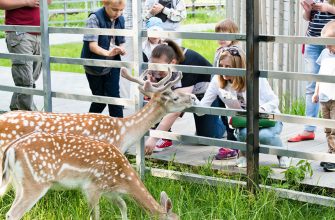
295,174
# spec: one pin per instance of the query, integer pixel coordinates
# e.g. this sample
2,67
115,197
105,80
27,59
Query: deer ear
166,202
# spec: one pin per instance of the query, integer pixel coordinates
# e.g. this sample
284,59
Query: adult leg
230,132
209,125
22,71
96,84
312,52
112,89
267,136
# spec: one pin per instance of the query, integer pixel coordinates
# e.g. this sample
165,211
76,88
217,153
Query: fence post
65,13
137,48
252,75
45,52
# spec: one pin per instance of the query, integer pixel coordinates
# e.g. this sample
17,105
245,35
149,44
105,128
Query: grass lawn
191,201
73,50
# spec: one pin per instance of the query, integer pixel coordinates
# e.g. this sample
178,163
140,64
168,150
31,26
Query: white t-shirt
326,61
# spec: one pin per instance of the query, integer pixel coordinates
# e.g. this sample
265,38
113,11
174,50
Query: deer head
161,92
40,161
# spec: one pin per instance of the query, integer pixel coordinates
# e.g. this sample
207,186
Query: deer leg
25,199
93,197
4,186
121,204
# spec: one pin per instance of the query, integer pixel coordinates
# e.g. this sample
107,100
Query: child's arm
315,97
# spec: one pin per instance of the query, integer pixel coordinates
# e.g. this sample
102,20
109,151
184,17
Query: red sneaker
300,137
162,144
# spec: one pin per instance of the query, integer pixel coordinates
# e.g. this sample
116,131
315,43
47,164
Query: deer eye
175,99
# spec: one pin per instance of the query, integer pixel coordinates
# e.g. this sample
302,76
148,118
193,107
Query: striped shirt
318,21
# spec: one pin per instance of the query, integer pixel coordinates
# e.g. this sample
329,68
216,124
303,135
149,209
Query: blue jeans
210,125
106,85
267,136
312,53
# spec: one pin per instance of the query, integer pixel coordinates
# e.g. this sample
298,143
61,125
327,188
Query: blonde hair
108,2
228,26
238,61
329,29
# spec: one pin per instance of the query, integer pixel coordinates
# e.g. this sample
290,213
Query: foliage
295,174
264,174
297,107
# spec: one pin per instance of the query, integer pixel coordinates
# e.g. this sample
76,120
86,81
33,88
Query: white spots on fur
119,123
117,137
122,130
25,123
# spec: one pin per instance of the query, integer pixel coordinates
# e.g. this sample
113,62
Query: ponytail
169,49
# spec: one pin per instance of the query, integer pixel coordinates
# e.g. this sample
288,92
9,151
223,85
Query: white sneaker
284,162
241,162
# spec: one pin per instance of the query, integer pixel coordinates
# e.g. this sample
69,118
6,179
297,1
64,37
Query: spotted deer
121,132
38,161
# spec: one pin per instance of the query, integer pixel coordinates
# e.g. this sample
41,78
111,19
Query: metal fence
252,72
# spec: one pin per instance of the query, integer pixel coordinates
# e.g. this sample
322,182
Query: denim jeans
106,85
267,136
312,53
210,125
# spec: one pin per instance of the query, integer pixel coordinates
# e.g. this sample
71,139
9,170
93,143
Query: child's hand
306,5
123,51
315,98
115,51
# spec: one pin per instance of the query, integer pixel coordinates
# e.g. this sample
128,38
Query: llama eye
175,99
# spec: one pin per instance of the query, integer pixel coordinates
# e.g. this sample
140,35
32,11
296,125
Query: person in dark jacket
104,81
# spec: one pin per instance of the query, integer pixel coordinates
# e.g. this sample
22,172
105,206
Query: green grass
204,16
73,50
191,201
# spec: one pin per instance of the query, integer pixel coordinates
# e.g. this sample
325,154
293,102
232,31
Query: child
104,81
324,92
232,91
153,24
225,26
